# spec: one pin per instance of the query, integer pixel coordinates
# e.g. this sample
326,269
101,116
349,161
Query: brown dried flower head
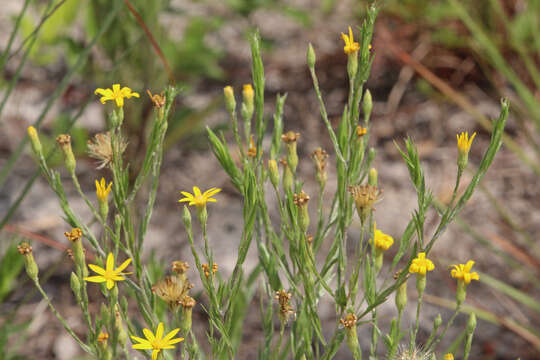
319,156
285,308
158,100
290,137
101,148
206,269
179,267
348,321
364,195
63,140
309,239
187,302
102,337
360,131
252,150
73,235
24,248
172,290
301,199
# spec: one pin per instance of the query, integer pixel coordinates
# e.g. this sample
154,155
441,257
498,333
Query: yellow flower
157,342
116,93
448,356
464,143
103,190
382,241
463,272
109,274
421,265
199,199
350,45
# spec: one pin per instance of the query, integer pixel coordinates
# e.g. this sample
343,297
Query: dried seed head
179,267
74,235
24,248
285,308
348,321
206,269
319,156
301,199
290,137
101,148
158,100
364,197
187,302
404,353
172,290
360,131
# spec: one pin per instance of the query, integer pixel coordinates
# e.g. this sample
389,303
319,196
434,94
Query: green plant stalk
85,347
4,57
17,74
430,345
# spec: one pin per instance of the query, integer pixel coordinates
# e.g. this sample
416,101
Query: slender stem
62,320
439,338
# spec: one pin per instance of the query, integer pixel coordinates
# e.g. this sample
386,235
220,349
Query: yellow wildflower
109,274
199,199
156,342
350,45
382,241
448,356
421,265
464,143
463,272
116,93
103,190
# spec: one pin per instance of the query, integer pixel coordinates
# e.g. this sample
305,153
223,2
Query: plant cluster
303,261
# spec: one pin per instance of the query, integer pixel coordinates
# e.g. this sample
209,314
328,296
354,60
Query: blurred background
440,67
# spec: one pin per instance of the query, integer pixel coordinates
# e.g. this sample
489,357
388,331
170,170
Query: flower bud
372,177
311,58
29,263
437,322
367,106
230,102
471,324
118,324
64,141
34,140
273,172
186,217
401,297
75,286
248,106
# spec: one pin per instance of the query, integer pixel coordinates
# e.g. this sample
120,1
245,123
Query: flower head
421,265
199,199
74,235
348,321
463,272
449,356
464,143
350,45
109,274
116,93
382,241
102,189
156,342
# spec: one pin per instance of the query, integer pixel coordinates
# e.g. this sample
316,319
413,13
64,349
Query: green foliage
11,266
